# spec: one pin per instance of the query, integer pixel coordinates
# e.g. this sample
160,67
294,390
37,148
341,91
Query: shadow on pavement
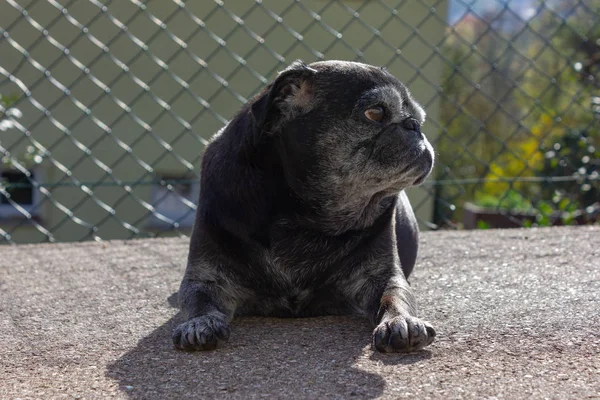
400,359
265,357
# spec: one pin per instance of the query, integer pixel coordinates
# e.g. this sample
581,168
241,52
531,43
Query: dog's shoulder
236,195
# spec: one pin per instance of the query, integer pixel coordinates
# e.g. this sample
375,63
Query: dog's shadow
265,357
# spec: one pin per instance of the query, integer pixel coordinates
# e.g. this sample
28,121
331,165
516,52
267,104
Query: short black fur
302,213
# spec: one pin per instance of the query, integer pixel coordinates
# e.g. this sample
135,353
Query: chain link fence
106,106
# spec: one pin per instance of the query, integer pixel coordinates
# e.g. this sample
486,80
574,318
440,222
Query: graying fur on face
354,185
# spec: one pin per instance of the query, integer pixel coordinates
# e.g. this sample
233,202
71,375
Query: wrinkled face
353,128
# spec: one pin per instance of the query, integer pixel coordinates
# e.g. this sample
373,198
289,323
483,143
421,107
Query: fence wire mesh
106,106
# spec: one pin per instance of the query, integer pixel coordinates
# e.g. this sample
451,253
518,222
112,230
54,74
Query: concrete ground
517,314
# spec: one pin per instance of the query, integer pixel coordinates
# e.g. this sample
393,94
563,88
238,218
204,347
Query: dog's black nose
412,124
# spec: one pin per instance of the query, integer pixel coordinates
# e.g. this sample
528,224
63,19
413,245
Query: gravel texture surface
517,314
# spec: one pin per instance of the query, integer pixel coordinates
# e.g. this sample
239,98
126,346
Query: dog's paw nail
403,335
430,331
201,333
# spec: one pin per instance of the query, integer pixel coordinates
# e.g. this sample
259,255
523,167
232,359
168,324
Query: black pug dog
302,211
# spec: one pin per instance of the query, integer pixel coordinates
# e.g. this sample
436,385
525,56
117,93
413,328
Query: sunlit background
107,106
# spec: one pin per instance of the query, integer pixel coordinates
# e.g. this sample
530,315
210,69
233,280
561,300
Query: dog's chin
420,179
423,168
417,170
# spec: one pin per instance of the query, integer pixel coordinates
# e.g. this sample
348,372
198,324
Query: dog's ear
239,183
291,94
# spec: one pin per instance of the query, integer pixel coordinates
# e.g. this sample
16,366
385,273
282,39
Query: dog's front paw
403,335
202,333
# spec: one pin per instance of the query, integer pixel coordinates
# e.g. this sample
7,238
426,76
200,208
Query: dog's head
345,127
344,138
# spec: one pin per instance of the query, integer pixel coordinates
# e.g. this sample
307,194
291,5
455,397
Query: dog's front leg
397,328
207,311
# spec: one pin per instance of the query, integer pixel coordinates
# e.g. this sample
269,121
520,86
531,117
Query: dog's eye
375,114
